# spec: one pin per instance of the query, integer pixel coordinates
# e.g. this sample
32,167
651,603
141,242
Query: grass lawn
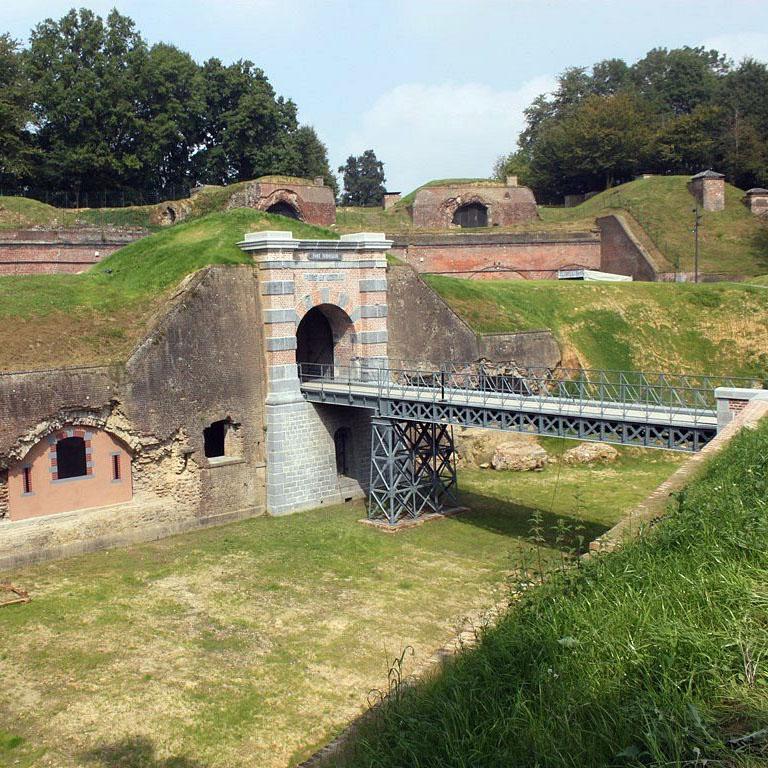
97,317
653,655
717,328
253,643
732,241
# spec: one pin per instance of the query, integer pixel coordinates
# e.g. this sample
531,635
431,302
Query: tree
246,127
16,155
83,82
364,179
602,142
679,80
514,164
311,157
169,110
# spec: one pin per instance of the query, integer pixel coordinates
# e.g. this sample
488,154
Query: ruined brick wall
203,362
314,203
620,251
499,256
434,207
424,329
38,251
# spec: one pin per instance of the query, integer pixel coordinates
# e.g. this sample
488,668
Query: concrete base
406,524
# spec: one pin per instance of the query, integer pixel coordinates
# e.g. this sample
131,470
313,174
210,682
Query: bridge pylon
413,469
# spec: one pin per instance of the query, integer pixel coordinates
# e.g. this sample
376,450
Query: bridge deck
368,394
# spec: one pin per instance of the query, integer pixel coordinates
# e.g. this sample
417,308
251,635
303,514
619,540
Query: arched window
282,208
71,460
341,441
471,215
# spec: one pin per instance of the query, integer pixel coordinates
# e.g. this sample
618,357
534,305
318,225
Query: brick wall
434,207
314,203
621,252
502,256
29,252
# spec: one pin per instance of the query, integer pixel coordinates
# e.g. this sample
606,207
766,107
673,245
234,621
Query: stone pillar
732,400
294,276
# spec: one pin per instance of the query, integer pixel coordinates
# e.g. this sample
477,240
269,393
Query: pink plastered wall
49,495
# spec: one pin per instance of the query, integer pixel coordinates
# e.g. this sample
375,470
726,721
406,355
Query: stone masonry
708,187
295,276
434,207
312,201
47,251
497,256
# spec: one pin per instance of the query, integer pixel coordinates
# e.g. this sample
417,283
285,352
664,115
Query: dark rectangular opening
27,476
214,438
116,466
70,458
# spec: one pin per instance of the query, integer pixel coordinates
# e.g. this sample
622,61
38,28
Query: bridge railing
594,392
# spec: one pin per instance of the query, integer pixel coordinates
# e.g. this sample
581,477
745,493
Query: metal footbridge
415,407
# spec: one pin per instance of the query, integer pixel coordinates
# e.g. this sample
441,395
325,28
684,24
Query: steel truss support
413,469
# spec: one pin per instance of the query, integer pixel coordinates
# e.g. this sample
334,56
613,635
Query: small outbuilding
473,204
708,187
756,199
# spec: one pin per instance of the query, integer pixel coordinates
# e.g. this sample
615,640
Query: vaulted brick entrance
324,303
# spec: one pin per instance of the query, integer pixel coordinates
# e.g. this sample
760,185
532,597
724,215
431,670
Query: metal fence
625,395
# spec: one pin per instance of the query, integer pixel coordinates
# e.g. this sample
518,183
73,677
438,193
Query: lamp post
697,217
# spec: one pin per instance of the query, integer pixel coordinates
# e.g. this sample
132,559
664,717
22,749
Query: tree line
88,105
674,111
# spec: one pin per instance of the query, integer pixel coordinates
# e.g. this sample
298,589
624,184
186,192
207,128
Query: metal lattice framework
412,465
413,469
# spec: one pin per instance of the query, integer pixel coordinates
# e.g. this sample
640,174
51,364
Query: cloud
450,130
740,45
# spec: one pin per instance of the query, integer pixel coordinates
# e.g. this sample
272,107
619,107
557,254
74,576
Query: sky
436,88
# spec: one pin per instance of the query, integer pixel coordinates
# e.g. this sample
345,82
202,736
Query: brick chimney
512,181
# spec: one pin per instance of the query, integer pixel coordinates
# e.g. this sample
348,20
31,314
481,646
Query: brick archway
450,206
284,197
344,350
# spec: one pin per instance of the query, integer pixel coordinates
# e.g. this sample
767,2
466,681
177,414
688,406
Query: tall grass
654,655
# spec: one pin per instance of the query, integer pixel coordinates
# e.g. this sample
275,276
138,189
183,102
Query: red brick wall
34,252
500,260
621,253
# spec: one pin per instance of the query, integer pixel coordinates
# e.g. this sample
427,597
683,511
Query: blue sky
435,87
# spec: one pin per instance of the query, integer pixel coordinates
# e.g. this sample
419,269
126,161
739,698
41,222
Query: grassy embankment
654,655
718,328
253,643
732,241
98,316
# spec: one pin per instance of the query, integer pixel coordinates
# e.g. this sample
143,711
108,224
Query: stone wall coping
284,240
739,393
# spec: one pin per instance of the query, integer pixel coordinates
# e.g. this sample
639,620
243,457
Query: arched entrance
282,208
324,341
471,215
342,440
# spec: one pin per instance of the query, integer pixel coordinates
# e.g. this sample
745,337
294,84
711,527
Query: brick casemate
311,201
434,207
708,187
500,256
347,279
48,251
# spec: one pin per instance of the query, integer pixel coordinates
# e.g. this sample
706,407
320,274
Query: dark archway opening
71,460
471,215
314,344
282,208
342,440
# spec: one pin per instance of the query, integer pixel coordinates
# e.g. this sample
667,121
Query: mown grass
253,643
654,655
96,317
717,328
732,242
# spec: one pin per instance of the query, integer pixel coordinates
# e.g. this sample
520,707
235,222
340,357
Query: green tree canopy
364,179
89,106
673,111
